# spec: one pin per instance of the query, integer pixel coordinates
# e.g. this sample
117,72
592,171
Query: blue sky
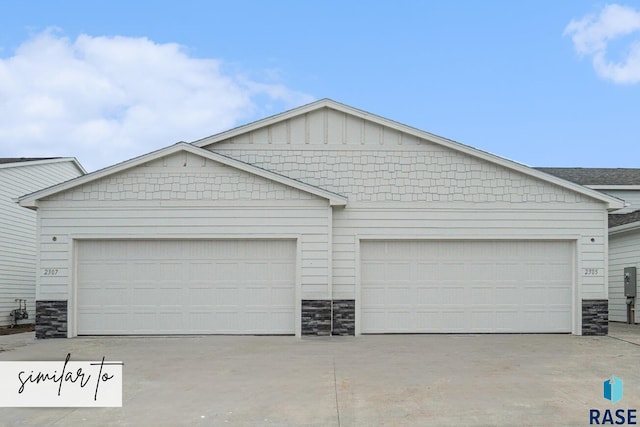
545,83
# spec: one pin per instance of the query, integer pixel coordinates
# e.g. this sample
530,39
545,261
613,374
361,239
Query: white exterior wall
182,196
624,251
401,187
18,230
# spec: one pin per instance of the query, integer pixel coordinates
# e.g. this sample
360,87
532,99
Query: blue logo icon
613,389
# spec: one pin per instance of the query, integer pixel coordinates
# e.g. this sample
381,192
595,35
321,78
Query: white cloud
592,35
107,99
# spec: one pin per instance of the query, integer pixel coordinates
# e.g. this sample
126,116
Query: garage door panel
227,296
482,294
186,287
426,293
467,286
452,320
280,297
396,318
450,294
375,318
397,294
507,295
505,319
483,320
114,320
373,295
426,319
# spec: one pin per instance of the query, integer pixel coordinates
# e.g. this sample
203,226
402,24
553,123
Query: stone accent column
316,317
51,319
344,317
595,317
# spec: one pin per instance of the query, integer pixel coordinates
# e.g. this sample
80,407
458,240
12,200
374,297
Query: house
19,176
624,230
321,220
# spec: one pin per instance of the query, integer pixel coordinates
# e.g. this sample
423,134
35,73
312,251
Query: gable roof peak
30,200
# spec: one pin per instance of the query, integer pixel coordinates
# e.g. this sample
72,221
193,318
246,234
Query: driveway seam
620,339
335,388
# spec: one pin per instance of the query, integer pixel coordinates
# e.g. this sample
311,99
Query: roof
616,220
613,203
624,223
30,200
4,160
14,162
597,176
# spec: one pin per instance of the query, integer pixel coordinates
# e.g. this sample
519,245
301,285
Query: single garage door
185,287
466,286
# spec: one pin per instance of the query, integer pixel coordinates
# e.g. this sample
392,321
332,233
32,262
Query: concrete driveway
370,380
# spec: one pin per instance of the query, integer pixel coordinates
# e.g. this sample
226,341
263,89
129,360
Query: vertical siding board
316,128
297,127
335,127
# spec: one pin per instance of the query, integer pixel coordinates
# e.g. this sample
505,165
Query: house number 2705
50,271
590,271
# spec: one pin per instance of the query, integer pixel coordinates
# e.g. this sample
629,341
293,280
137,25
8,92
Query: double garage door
466,286
248,286
185,287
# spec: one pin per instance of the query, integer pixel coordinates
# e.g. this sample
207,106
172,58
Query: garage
150,287
466,286
323,220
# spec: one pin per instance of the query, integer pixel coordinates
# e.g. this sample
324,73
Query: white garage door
466,286
186,287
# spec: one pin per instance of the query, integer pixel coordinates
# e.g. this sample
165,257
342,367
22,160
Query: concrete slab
369,380
13,341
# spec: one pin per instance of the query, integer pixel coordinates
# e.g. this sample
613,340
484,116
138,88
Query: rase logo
613,391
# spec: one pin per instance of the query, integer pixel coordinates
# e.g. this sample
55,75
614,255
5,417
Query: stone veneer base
316,317
595,317
344,317
326,317
51,319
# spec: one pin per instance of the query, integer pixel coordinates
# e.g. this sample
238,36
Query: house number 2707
590,271
50,271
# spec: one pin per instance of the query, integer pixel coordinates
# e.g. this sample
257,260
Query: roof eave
75,162
613,187
624,228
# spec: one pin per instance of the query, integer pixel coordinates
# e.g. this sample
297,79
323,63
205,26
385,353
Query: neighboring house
624,227
19,176
321,220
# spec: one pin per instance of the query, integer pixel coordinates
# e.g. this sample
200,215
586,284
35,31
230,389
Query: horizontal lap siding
183,223
18,231
624,251
532,224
